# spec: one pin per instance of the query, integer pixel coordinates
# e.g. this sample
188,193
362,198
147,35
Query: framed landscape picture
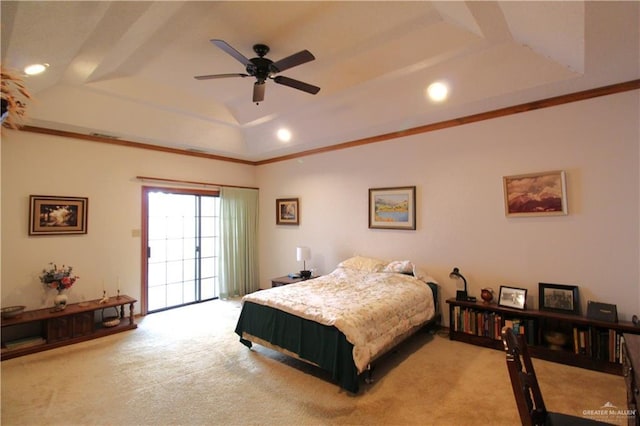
535,194
51,215
287,211
392,208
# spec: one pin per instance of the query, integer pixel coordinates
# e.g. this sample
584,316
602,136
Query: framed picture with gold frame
535,194
53,215
392,208
287,211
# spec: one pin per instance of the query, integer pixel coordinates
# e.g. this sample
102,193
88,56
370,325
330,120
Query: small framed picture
559,298
49,215
287,211
512,297
535,194
392,208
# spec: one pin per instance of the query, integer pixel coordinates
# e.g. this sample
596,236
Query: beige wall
458,174
49,165
460,210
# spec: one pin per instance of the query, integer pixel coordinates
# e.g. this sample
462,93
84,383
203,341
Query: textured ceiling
126,68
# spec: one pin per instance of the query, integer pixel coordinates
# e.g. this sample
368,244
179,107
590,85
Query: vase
60,301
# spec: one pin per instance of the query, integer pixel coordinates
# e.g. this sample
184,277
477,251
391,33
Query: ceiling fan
263,68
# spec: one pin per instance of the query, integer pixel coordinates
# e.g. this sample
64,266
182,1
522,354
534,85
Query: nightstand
277,282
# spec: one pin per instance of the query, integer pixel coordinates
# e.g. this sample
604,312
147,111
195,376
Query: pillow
400,266
422,275
365,264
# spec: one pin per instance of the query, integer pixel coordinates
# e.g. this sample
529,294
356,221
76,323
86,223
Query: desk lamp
460,294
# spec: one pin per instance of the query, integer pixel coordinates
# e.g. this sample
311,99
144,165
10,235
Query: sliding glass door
181,247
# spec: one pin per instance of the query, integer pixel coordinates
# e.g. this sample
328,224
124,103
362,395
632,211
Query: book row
598,343
489,324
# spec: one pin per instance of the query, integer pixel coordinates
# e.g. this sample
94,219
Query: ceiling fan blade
296,84
231,51
212,76
258,91
293,60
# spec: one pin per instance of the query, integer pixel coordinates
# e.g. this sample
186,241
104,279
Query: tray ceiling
126,69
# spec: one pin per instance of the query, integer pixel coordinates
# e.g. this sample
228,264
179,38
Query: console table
44,329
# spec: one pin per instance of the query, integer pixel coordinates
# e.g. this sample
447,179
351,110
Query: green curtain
238,242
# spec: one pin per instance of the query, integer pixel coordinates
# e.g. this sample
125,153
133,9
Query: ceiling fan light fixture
438,91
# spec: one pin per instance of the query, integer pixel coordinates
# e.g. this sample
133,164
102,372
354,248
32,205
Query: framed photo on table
52,215
512,297
559,298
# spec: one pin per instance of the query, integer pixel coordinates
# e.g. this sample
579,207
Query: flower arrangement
58,278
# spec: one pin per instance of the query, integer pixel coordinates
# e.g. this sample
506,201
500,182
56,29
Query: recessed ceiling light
437,91
35,69
284,135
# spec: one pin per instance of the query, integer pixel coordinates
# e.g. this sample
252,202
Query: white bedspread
370,309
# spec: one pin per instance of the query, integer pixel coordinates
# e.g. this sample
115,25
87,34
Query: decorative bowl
556,340
12,311
110,321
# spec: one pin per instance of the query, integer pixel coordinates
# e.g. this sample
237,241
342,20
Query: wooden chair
525,387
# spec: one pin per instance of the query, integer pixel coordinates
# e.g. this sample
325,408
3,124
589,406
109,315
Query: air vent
103,135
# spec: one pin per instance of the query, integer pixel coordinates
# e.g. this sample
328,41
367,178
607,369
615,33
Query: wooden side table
277,282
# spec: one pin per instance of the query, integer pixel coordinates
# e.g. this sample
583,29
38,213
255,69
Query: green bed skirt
322,345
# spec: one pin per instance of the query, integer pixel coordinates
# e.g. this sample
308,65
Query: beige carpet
186,367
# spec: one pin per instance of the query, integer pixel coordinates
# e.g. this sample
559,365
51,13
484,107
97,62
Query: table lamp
303,254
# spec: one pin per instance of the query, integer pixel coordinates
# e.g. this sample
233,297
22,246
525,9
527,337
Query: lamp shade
303,253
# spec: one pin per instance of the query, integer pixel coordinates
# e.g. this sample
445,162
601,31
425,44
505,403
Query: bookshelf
568,339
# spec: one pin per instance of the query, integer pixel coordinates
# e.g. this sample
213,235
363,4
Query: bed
345,320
